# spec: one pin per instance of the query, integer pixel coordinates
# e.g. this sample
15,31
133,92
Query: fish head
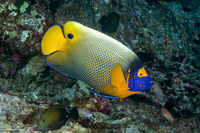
53,118
57,42
140,81
73,32
43,125
57,39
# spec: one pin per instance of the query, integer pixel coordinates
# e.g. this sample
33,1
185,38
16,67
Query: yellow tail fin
53,40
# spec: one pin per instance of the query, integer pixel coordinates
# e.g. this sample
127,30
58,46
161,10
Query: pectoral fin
120,84
117,77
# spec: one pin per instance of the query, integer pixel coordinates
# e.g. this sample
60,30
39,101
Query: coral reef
22,25
164,34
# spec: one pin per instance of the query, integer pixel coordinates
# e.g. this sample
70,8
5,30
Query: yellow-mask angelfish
102,62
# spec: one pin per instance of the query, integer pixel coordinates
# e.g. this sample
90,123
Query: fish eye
70,36
43,120
140,74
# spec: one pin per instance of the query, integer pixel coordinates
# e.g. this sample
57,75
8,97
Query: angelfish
105,64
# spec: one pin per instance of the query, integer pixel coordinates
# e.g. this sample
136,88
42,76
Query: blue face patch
137,83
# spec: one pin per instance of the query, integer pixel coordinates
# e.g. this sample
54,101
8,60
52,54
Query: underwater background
165,34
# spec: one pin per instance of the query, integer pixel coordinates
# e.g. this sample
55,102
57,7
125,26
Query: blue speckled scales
92,59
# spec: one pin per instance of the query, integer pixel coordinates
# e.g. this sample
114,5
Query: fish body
167,115
158,91
110,23
102,62
55,117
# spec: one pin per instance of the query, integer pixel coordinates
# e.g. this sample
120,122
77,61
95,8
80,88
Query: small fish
85,112
55,117
105,64
110,23
158,91
167,115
